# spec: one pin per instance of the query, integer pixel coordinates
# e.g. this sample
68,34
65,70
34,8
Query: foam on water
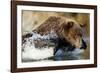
31,52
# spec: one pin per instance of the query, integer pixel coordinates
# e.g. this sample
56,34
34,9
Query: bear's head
71,31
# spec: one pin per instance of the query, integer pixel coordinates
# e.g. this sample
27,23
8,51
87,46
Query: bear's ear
68,25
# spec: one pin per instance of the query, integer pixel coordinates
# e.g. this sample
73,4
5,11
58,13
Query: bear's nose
83,46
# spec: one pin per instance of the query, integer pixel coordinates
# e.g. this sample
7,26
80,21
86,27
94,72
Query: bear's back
51,24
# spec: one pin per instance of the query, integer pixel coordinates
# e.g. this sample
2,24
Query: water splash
31,52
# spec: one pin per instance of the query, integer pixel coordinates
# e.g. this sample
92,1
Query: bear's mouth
83,45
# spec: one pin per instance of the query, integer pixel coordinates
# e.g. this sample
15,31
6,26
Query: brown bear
67,30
